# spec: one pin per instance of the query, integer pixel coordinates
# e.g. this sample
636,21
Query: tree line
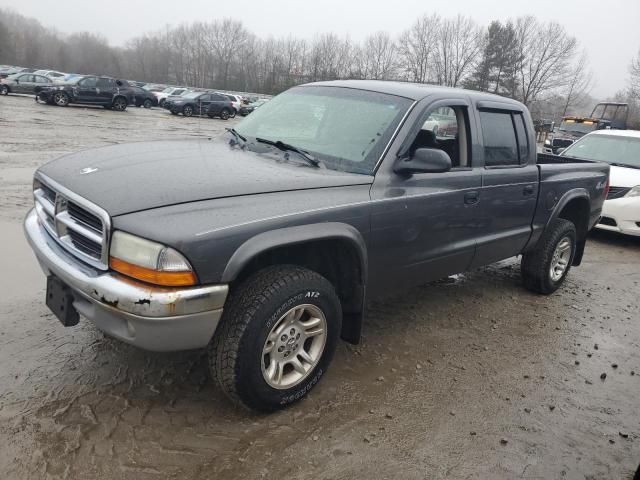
538,63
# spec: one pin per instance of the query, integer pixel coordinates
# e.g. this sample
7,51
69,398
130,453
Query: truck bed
549,158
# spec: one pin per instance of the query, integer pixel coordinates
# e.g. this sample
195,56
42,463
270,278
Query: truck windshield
577,127
613,149
346,129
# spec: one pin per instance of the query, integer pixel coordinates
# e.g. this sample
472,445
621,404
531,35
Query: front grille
617,192
561,143
79,226
608,221
84,216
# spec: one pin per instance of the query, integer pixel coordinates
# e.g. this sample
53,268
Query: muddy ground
468,378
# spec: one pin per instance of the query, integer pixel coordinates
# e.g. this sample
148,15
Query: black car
89,90
196,103
142,98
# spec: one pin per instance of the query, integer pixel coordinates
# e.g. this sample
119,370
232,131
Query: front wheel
545,268
224,114
187,111
276,338
147,103
4,90
61,99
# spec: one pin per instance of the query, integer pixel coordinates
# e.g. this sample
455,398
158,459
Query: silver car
24,83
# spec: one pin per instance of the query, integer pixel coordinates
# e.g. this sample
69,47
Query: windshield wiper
235,134
285,146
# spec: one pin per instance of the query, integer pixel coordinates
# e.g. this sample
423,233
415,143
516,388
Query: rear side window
523,138
500,145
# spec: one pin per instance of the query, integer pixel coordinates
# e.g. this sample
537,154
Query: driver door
424,225
86,90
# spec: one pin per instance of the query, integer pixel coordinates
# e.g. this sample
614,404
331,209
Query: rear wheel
161,102
276,338
4,90
61,99
119,104
147,103
545,268
187,111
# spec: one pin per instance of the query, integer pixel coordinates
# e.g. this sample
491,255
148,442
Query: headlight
547,142
149,261
634,192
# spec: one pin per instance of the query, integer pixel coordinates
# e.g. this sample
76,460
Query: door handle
471,198
528,190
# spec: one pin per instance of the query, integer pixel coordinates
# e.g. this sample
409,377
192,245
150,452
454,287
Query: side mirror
560,150
424,160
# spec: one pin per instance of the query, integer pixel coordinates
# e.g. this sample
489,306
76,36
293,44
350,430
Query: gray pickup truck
264,244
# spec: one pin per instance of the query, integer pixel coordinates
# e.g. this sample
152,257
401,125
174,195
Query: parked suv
220,106
24,83
264,245
192,103
89,90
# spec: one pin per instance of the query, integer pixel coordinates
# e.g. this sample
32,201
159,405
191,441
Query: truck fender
571,195
294,235
353,314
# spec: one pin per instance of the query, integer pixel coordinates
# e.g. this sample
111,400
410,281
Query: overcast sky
609,30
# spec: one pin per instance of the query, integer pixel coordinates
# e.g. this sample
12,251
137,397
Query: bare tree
379,56
416,47
634,71
459,41
579,84
546,52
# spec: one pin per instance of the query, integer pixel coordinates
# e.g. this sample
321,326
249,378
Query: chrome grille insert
78,225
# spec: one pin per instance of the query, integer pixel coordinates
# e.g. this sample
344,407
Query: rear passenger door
105,89
510,183
40,82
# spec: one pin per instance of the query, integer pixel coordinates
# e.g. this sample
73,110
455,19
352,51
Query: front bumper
149,317
621,215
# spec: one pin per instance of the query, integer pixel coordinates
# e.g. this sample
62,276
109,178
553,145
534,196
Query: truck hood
624,177
127,178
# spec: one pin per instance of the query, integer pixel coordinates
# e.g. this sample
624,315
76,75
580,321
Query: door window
40,79
105,83
499,136
523,138
445,128
89,82
26,79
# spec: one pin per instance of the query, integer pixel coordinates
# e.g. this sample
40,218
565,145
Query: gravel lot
471,377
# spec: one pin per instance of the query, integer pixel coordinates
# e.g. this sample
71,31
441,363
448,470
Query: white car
52,74
168,92
620,149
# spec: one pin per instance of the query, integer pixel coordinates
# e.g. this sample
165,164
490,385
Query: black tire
236,358
536,264
4,89
161,102
187,111
225,114
147,103
61,99
119,104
